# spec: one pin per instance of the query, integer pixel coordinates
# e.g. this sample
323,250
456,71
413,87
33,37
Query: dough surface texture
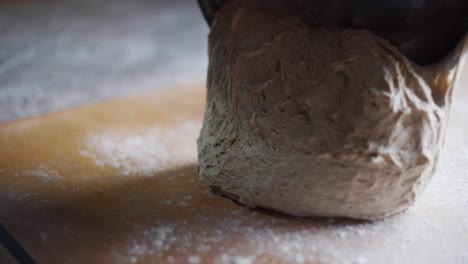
319,122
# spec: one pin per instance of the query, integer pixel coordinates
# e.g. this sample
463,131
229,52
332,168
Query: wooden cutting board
117,182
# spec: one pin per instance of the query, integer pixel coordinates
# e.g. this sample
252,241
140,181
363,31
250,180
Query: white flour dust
144,152
42,172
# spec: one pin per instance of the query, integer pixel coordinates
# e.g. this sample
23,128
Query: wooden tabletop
117,182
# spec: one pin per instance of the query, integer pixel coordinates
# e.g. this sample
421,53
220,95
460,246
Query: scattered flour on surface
235,259
194,259
42,171
145,152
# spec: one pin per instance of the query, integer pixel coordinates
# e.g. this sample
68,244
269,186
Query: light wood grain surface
116,182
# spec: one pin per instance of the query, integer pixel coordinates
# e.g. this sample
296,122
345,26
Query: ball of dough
318,122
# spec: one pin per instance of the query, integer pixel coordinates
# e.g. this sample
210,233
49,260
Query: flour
194,260
42,171
145,152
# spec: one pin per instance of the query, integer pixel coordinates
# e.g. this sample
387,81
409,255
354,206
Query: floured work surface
116,182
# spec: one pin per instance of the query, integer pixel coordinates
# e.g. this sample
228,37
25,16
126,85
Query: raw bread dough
319,122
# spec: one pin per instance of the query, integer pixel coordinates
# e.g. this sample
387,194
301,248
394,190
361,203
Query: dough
319,122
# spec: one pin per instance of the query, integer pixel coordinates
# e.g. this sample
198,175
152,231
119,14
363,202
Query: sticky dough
318,122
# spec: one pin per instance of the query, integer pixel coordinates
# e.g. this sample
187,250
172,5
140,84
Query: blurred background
59,54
